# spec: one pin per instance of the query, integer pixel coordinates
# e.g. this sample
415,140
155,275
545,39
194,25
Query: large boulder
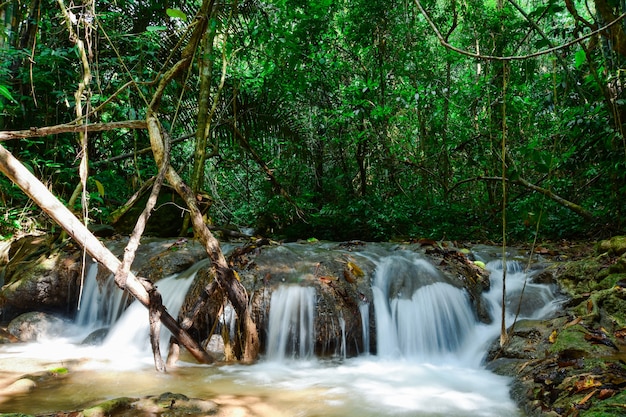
40,277
36,325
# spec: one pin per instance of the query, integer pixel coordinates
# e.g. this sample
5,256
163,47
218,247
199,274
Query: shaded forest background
337,119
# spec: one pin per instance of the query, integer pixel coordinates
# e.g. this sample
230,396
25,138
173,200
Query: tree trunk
38,192
224,274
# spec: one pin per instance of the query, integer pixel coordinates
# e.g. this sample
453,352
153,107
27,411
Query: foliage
370,128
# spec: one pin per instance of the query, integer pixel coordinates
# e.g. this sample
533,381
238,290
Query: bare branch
35,132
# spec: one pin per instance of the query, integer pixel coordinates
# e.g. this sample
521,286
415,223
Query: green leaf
176,14
5,93
100,188
580,58
155,28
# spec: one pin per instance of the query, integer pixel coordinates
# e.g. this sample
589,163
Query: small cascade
342,349
291,323
418,314
364,309
132,330
533,300
101,304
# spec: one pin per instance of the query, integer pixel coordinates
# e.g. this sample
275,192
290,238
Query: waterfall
364,309
291,323
101,304
132,329
418,314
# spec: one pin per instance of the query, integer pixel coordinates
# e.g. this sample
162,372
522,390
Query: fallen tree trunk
38,192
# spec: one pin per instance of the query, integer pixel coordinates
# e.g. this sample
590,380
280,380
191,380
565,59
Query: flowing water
428,362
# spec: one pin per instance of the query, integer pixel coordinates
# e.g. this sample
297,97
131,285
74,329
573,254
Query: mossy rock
15,415
109,408
580,276
616,246
573,339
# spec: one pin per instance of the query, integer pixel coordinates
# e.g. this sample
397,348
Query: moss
614,406
107,408
609,281
573,338
615,246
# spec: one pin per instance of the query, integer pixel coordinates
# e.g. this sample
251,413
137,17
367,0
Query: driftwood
38,192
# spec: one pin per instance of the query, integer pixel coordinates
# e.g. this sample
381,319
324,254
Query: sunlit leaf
100,188
176,14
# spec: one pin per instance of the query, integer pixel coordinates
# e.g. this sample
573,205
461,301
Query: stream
430,348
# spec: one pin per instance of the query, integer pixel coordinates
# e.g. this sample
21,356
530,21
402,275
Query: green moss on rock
615,246
573,339
110,407
611,407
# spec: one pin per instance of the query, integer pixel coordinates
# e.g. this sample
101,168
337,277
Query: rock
21,386
616,246
96,337
39,278
118,406
33,326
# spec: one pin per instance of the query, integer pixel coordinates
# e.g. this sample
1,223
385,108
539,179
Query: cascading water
291,323
131,331
428,360
417,314
100,305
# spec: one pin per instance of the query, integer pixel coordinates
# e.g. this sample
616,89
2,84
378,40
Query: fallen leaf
573,322
553,336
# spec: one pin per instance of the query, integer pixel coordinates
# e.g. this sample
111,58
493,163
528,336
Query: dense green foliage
336,118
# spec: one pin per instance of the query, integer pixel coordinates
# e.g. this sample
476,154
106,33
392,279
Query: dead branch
35,132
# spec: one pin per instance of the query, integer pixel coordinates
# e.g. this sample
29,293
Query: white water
291,323
430,349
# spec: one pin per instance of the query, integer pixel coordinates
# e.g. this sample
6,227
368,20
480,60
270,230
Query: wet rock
96,337
40,277
21,386
33,326
167,405
170,404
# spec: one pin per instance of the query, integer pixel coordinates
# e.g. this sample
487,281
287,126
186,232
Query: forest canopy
334,119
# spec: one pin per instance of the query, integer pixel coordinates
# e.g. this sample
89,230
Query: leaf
553,336
6,93
176,14
579,58
155,28
354,268
100,188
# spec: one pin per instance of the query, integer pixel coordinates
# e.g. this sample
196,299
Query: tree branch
35,132
525,183
447,45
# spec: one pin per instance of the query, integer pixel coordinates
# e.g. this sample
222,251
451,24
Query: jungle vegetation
333,119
